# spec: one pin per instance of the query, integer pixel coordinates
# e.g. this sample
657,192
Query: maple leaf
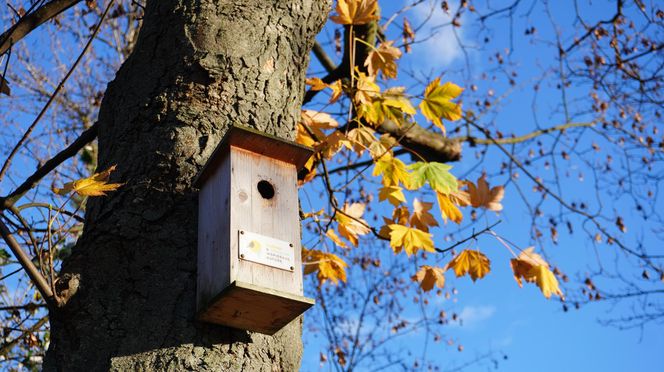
401,215
355,12
545,280
437,174
421,218
361,138
436,103
337,90
95,185
429,276
409,239
383,59
460,198
395,98
332,144
482,196
471,262
318,120
532,268
366,89
311,125
448,209
335,238
316,83
329,266
393,194
392,169
392,105
351,224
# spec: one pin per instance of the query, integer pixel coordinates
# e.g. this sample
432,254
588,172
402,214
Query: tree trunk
198,67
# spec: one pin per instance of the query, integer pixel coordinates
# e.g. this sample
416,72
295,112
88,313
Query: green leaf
437,174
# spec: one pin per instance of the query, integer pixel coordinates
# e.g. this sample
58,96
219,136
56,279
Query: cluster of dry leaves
406,231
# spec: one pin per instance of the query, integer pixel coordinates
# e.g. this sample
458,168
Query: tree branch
55,92
525,137
25,261
35,327
86,137
31,21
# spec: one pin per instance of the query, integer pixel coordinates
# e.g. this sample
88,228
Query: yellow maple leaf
316,83
448,209
471,262
393,194
409,239
436,103
329,266
421,218
335,238
361,138
332,144
395,98
532,268
350,222
95,185
355,12
303,136
482,196
337,90
429,276
318,120
392,169
383,59
366,89
545,280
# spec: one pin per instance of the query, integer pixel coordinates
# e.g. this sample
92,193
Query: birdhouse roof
258,142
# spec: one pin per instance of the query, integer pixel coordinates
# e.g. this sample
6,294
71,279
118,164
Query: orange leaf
355,12
329,266
429,276
448,209
421,217
351,224
316,83
383,59
471,262
482,196
532,268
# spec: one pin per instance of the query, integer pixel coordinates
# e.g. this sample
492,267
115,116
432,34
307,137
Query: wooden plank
214,221
253,308
259,143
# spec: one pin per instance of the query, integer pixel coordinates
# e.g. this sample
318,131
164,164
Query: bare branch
31,21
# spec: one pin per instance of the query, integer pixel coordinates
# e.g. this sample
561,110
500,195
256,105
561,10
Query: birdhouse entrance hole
266,189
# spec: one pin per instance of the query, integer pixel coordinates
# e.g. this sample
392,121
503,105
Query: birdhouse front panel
265,226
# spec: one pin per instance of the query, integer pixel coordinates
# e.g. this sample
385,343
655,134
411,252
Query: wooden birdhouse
249,254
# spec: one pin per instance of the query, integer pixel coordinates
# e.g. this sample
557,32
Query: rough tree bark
198,66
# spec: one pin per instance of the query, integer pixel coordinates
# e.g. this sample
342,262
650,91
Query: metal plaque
266,250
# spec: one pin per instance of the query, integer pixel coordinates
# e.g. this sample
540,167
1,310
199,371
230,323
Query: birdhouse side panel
214,234
264,202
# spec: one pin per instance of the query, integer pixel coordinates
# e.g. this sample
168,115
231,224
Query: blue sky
499,317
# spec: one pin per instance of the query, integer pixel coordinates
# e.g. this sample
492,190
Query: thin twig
25,261
55,92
